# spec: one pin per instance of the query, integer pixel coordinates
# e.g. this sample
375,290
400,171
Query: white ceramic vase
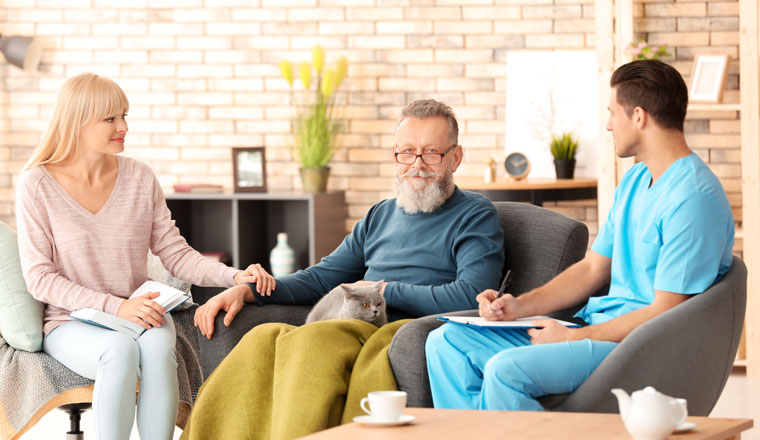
282,259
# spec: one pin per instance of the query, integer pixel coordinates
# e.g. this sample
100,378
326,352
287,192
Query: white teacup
684,411
385,406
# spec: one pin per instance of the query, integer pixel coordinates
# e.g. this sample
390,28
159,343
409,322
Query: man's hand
550,332
506,308
254,273
368,283
231,301
142,310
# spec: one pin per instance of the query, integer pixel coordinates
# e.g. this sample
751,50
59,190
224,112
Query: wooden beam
750,134
606,154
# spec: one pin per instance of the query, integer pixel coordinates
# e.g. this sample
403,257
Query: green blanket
282,382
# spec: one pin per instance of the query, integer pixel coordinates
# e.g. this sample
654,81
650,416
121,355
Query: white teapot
649,414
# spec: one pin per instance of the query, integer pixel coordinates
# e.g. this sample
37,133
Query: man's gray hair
427,108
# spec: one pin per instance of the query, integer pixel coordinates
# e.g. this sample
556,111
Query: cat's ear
379,285
346,288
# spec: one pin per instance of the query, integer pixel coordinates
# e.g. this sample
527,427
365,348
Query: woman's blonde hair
83,98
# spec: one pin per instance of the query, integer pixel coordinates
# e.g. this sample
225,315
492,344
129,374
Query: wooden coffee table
483,425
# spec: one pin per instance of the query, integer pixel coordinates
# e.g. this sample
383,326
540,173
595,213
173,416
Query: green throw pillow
20,314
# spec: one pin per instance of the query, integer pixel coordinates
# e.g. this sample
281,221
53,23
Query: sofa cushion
20,314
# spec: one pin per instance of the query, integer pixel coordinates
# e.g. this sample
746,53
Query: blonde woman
86,220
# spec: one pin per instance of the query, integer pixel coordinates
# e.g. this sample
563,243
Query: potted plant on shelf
563,148
315,130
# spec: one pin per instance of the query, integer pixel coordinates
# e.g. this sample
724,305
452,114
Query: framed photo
249,169
708,78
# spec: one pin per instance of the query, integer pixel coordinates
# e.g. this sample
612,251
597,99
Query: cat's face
365,303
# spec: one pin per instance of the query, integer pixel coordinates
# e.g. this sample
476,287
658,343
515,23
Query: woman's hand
143,310
254,273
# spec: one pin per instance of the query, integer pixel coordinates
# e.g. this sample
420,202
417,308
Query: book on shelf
521,323
169,298
197,188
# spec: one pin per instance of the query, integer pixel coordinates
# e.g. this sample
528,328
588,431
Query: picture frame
249,169
708,78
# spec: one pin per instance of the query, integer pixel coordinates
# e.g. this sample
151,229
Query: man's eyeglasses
427,158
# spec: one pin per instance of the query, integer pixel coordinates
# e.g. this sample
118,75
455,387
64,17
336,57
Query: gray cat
357,302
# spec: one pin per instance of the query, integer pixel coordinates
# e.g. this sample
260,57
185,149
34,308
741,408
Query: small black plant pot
565,168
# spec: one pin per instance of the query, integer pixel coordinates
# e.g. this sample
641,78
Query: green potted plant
315,130
563,147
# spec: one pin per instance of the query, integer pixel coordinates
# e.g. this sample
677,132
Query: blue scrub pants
480,368
115,361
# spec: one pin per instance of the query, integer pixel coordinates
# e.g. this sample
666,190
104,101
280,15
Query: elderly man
434,246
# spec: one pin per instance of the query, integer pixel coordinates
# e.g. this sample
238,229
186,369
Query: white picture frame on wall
708,78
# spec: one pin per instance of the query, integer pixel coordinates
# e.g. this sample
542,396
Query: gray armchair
539,244
667,352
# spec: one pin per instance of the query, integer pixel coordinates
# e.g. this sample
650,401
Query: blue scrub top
675,235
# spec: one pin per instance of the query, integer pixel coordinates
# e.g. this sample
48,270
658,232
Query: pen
504,284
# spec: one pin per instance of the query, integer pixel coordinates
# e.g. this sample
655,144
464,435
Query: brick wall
202,75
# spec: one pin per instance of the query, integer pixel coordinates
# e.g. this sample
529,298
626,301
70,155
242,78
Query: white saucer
370,421
685,426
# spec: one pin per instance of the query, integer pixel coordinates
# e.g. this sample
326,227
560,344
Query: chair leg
75,410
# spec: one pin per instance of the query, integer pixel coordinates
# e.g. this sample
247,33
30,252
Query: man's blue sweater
433,263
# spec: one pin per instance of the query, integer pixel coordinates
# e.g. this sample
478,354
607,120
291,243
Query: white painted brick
175,85
67,56
205,154
316,14
406,56
523,27
555,41
188,126
435,13
346,2
124,4
20,4
324,41
23,111
171,4
564,11
35,15
154,153
262,126
384,13
350,28
495,41
237,112
248,84
176,56
180,140
179,112
90,43
204,70
404,27
486,70
268,98
377,42
22,29
434,70
202,15
58,29
259,42
404,84
281,3
152,126
436,41
100,69
491,13
121,56
575,25
147,42
204,98
233,28
463,56
152,98
680,9
257,70
260,14
204,43
231,56
133,84
174,29
464,84
463,27
149,70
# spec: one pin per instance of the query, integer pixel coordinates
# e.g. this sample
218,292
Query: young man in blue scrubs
668,236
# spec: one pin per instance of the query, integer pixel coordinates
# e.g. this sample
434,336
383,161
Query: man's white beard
413,198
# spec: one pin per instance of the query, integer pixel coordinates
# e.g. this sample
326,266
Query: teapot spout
624,401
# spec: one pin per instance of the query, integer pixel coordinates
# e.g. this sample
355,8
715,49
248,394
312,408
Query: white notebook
477,321
169,298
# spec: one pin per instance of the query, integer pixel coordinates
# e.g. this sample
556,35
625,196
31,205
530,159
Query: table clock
517,165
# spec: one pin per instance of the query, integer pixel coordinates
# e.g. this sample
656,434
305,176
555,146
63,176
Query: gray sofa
539,244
